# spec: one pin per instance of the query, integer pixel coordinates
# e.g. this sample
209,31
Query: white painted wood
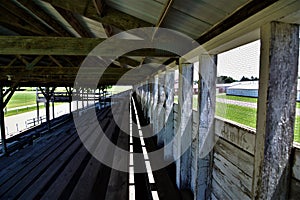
218,192
161,110
241,136
233,173
276,109
296,166
206,132
230,187
169,114
185,102
241,159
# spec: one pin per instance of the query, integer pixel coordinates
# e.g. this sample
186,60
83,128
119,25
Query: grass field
241,114
22,98
244,99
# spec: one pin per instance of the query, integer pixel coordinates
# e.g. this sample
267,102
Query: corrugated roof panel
184,23
226,5
92,26
147,10
200,10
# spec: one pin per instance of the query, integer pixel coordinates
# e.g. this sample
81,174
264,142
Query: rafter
72,20
112,16
39,11
100,7
14,23
21,12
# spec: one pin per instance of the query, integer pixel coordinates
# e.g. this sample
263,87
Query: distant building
250,89
222,88
244,88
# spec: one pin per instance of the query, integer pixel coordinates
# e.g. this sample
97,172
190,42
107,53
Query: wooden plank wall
234,160
295,182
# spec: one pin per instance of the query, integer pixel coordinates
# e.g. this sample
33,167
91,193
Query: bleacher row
58,166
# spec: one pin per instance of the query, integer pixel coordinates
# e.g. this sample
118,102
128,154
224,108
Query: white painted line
130,140
149,172
155,195
131,192
142,141
140,133
131,148
131,159
145,153
131,175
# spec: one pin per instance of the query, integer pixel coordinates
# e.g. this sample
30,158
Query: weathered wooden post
154,108
47,106
205,138
276,110
185,101
169,115
37,105
160,109
53,115
151,99
2,124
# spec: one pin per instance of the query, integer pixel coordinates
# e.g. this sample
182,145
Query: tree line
228,79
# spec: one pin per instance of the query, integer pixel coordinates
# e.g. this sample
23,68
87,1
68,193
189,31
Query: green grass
297,130
239,114
247,116
118,89
23,110
237,98
244,99
22,98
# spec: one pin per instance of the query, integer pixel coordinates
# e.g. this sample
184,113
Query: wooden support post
161,109
82,98
205,138
155,99
2,124
47,106
37,106
148,100
185,101
53,115
276,110
70,99
169,115
151,97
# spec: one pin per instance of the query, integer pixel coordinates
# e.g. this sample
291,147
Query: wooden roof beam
13,45
238,16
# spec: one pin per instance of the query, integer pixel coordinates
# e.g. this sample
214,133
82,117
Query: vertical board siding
233,160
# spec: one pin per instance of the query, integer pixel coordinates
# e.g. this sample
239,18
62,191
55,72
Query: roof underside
44,42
